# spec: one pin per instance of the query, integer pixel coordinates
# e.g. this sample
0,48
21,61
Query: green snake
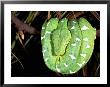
67,45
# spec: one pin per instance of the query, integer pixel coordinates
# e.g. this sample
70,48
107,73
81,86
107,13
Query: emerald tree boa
67,45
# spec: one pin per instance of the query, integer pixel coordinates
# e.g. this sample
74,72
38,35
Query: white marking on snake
62,21
47,32
65,65
83,55
88,46
43,37
58,69
71,71
48,23
95,37
73,44
83,62
46,59
73,28
43,54
74,22
84,28
85,39
77,39
72,56
43,27
44,51
79,64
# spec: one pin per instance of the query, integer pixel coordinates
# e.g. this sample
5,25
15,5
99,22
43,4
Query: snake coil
67,45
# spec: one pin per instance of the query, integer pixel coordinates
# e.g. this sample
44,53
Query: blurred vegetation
26,50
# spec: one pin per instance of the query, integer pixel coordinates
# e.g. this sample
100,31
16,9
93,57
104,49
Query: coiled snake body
67,45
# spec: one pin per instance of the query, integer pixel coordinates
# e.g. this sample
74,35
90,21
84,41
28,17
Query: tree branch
98,33
23,27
